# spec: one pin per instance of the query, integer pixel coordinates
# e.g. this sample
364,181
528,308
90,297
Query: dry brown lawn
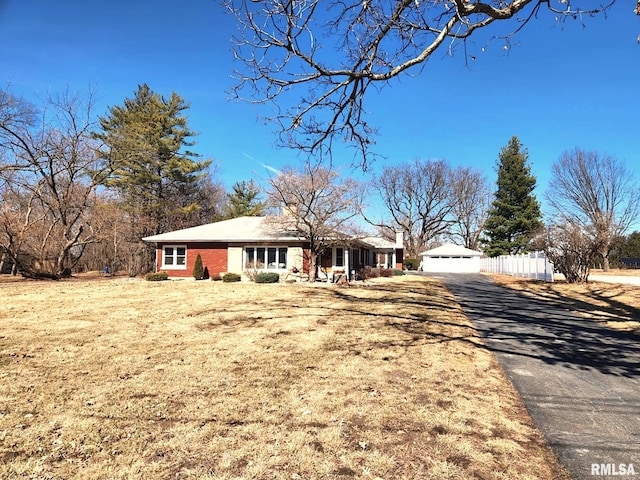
127,379
615,305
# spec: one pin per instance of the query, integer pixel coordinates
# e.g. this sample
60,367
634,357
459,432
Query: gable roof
233,230
451,250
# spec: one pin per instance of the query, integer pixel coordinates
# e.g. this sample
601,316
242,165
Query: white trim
265,267
174,265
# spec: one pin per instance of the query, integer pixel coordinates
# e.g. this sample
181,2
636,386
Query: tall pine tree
147,144
156,176
514,217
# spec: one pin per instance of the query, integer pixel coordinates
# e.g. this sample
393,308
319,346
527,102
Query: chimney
290,211
399,239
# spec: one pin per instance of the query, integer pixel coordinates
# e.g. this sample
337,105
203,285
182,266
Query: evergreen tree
630,247
627,247
147,144
245,200
514,216
198,269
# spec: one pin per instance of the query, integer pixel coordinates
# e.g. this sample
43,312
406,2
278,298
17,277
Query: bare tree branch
316,60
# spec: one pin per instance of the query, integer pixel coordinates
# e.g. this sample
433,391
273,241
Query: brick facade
214,259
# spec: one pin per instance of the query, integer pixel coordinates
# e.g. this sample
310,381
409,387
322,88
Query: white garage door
451,264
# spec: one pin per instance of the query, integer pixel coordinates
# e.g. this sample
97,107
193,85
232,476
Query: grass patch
123,379
612,304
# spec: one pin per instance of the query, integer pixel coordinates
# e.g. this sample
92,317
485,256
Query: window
339,257
249,258
174,257
269,258
282,258
259,263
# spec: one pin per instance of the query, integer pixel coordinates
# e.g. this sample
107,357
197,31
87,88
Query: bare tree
318,206
418,201
571,249
596,193
112,246
470,205
316,60
12,227
50,172
211,198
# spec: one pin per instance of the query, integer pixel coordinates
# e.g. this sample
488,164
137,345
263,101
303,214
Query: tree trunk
62,261
313,267
604,251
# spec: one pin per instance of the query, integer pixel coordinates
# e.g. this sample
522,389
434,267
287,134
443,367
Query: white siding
234,260
451,264
296,258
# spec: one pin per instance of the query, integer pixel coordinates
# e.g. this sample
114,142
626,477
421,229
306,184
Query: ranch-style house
246,245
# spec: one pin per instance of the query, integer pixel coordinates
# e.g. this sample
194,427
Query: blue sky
557,88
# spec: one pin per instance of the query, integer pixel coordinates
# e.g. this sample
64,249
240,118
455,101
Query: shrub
198,269
231,277
251,274
386,272
156,277
411,263
267,277
369,272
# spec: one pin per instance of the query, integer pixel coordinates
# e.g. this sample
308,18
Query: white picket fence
529,265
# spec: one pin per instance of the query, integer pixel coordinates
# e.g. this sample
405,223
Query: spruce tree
514,217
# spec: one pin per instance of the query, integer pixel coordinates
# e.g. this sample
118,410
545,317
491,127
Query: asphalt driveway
579,380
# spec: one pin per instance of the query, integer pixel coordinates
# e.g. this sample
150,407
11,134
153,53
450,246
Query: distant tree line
625,252
592,201
80,192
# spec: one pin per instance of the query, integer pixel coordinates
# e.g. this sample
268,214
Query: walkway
579,380
625,279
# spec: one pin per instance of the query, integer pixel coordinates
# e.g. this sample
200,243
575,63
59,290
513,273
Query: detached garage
451,258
